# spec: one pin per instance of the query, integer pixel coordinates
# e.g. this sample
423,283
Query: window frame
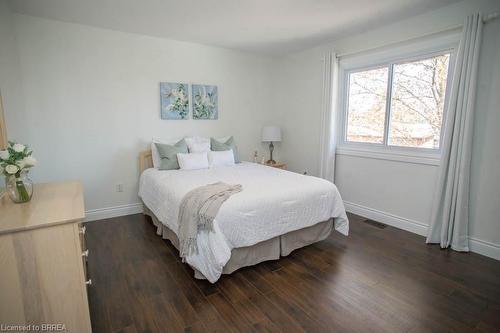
384,150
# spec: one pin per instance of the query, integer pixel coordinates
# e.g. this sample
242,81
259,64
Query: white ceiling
261,26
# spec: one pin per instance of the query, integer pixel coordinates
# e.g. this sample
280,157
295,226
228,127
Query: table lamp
271,134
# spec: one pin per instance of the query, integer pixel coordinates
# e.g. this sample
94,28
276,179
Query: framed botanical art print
174,100
205,102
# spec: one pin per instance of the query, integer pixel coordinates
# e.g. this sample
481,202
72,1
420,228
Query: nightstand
278,165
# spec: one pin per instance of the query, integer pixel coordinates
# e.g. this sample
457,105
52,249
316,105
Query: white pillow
220,158
198,144
193,161
199,147
155,156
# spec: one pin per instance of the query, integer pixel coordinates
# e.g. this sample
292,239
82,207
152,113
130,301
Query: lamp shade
271,134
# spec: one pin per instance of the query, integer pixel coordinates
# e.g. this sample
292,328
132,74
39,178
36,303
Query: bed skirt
270,249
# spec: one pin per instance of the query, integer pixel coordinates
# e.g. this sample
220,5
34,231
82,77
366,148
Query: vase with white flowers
15,162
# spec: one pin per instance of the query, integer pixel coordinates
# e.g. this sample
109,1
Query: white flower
29,161
11,169
21,164
18,148
4,155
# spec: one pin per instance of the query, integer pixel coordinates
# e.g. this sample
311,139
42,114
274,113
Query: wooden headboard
145,160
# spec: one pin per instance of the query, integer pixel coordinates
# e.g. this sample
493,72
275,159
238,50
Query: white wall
10,83
10,80
396,192
92,101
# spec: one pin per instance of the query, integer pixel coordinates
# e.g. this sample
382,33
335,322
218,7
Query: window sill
389,155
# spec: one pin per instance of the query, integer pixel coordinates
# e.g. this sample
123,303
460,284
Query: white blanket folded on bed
197,212
273,203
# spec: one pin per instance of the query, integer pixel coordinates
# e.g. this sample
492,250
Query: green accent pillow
168,154
223,146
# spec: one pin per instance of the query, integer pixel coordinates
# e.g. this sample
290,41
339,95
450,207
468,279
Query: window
400,104
366,106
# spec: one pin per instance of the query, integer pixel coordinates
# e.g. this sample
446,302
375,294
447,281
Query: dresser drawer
42,280
84,253
81,232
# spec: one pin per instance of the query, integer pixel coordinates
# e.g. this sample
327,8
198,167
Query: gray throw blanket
197,212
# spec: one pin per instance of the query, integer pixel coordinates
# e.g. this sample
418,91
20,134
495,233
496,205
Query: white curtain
328,117
450,215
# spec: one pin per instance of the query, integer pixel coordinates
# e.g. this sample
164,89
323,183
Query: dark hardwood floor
375,280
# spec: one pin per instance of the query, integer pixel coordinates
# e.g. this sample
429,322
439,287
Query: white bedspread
273,202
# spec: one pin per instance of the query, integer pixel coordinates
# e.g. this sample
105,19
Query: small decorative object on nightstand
271,134
277,165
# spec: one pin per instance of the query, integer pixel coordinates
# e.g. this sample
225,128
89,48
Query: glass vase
19,187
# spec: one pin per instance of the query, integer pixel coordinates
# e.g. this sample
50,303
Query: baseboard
387,218
479,246
485,248
109,212
476,245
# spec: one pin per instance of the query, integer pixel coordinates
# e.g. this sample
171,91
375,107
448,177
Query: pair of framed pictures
176,102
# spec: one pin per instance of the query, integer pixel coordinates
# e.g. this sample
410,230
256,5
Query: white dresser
43,259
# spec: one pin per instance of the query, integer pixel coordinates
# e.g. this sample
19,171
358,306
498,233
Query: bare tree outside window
366,108
417,102
415,109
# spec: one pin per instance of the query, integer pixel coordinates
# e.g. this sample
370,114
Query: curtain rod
486,19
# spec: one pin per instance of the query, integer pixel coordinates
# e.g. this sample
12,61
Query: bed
277,212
